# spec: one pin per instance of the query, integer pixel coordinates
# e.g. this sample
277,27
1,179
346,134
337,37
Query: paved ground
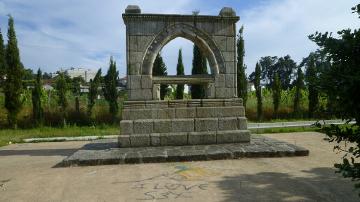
27,173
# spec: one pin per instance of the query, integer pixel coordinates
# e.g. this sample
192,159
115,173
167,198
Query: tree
62,87
342,80
159,69
180,71
14,75
286,67
198,67
276,93
311,78
268,69
299,85
258,91
110,91
241,76
2,60
38,111
76,90
93,91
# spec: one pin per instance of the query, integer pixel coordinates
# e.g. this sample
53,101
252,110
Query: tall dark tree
268,69
159,69
311,78
62,87
14,74
342,80
276,93
38,111
110,91
2,60
241,76
76,90
286,68
180,71
93,91
199,66
258,91
299,85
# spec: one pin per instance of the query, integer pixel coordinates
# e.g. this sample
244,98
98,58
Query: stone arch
198,37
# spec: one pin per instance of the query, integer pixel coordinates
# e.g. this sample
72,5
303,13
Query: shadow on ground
320,184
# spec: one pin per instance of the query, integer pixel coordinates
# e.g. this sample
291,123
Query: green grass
285,130
17,136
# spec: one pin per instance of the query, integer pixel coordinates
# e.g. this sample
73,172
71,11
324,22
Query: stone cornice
175,17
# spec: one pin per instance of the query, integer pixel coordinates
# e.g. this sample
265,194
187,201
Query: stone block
177,103
233,111
210,91
194,103
232,136
229,56
219,81
198,138
242,123
228,123
174,139
143,42
135,56
133,43
223,29
140,140
134,114
143,126
220,92
162,126
134,82
230,67
166,113
126,127
156,104
182,125
230,44
206,124
212,102
146,82
186,112
134,69
229,80
156,92
124,141
206,112
220,42
155,139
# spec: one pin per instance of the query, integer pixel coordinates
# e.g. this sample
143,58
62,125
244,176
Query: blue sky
84,33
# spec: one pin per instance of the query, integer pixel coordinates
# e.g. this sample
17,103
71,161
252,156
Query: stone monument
149,121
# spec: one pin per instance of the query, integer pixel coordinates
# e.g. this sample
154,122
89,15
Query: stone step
183,112
184,138
147,126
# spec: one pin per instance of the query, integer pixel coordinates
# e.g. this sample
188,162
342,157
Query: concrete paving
28,173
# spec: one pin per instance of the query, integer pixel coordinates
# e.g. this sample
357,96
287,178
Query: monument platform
104,152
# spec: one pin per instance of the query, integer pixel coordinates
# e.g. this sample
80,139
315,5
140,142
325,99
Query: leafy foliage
159,69
276,89
62,87
299,85
241,76
38,111
180,71
342,80
93,91
110,90
2,59
14,74
258,91
198,67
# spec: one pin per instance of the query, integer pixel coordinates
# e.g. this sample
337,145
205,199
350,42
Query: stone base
102,152
184,138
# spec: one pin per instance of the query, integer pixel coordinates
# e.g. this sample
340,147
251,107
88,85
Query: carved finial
132,9
227,12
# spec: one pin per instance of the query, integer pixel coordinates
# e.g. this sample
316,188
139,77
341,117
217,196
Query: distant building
86,74
122,82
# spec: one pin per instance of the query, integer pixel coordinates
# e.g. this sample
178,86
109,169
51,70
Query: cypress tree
110,91
14,74
76,90
299,85
180,71
62,88
38,111
2,60
93,91
276,93
311,80
241,76
159,69
198,67
258,91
